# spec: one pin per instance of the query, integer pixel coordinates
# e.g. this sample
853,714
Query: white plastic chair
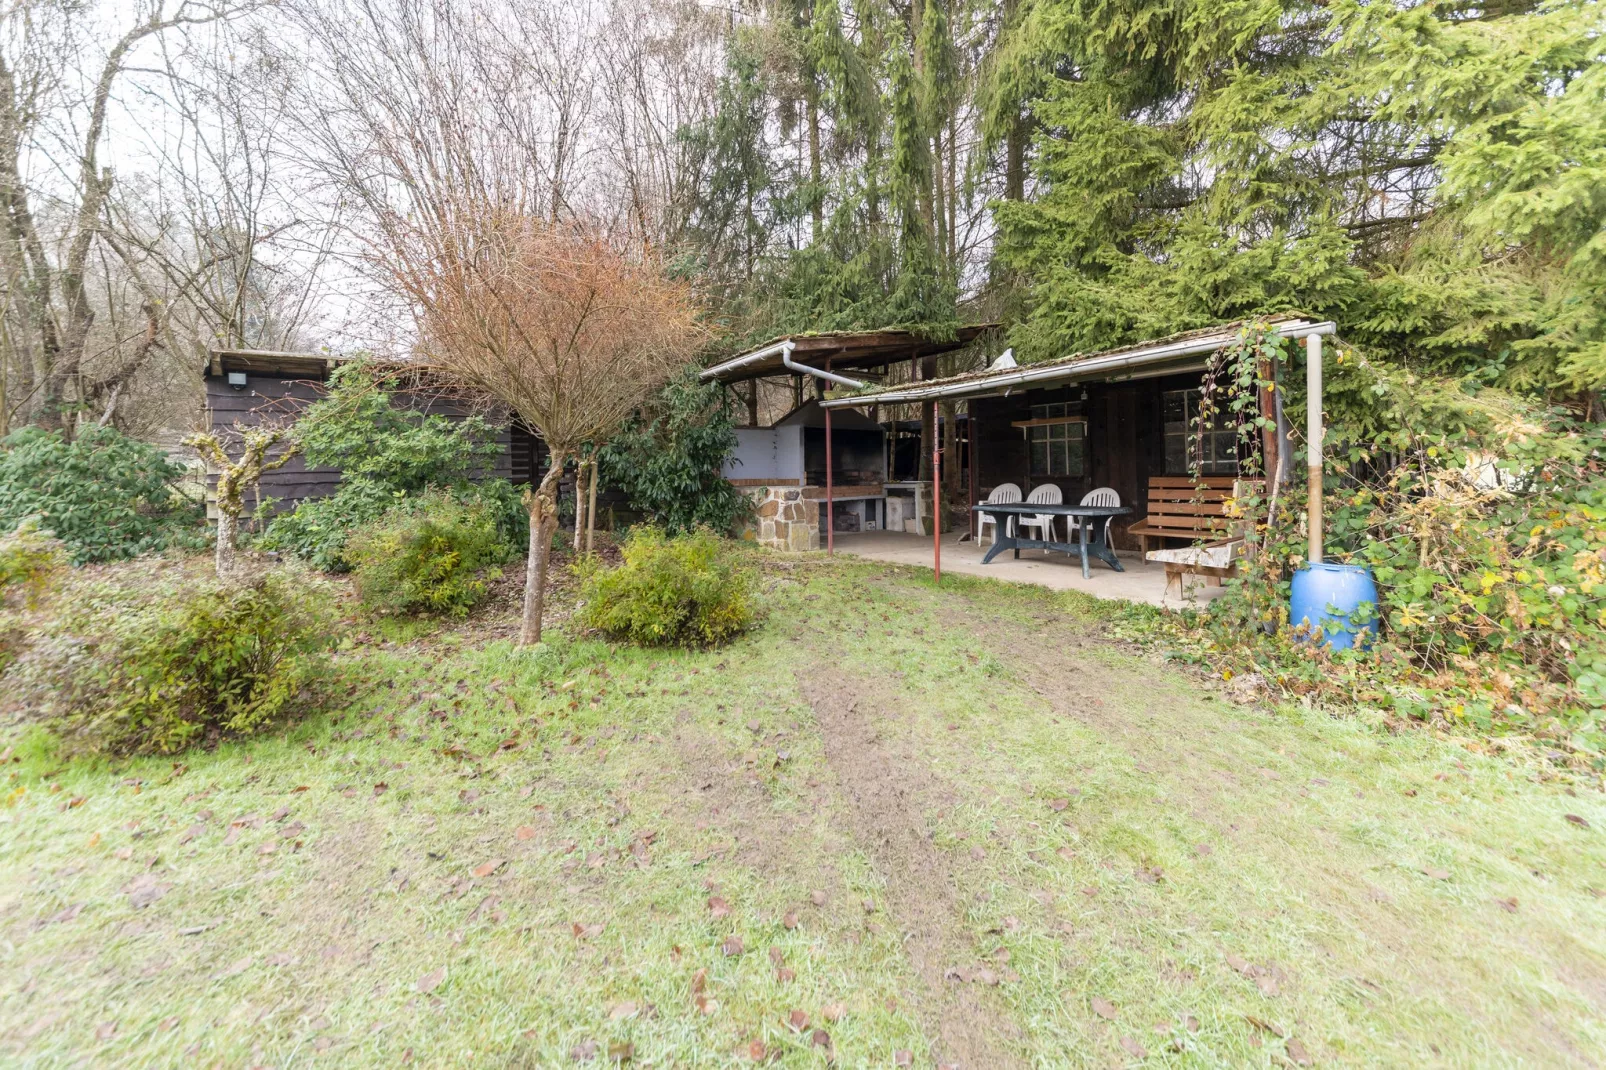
1003,494
1103,496
1047,494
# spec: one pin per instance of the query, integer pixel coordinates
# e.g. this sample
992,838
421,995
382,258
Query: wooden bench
1180,507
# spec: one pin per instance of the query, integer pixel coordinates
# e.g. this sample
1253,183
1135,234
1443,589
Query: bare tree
553,322
56,101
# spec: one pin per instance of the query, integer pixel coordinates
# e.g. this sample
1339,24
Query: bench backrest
1186,508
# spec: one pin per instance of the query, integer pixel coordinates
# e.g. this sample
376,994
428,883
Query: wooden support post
971,438
936,498
1313,441
830,508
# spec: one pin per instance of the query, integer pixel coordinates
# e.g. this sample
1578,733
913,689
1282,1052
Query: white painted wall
766,453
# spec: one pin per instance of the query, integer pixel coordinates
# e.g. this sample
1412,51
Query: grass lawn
896,825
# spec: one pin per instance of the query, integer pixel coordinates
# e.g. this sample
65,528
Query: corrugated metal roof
1153,355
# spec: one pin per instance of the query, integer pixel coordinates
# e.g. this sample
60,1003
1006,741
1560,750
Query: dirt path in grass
888,794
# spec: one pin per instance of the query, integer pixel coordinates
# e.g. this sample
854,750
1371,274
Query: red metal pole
830,509
936,495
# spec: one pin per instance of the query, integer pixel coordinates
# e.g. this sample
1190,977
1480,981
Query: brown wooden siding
267,397
1125,444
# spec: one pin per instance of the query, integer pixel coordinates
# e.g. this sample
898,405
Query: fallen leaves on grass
485,869
524,832
1436,873
834,1012
1577,819
797,1021
1508,904
431,980
732,947
818,898
790,920
718,907
1133,1048
1103,1008
233,969
144,890
1297,1053
587,932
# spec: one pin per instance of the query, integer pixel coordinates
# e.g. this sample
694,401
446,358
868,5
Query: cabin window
1058,441
1217,449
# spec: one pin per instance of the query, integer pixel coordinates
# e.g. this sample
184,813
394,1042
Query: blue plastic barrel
1330,597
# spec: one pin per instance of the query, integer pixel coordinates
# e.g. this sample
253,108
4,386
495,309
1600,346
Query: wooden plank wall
1125,441
267,397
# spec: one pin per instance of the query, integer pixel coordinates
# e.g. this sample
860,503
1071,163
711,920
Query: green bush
427,555
29,558
667,458
386,454
157,661
685,590
105,496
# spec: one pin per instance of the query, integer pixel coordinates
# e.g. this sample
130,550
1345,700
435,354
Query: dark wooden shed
247,387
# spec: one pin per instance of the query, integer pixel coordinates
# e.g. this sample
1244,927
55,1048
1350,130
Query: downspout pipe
792,366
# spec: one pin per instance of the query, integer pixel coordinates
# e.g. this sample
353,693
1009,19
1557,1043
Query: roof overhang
272,362
845,350
1163,356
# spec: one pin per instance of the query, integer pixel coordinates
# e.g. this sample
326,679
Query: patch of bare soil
724,796
888,794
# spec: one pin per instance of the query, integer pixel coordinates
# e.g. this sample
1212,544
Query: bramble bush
157,659
429,554
1483,519
683,590
387,453
105,496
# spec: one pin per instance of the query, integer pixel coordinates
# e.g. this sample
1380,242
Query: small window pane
1039,455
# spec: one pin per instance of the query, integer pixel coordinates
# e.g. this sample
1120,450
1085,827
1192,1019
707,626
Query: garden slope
957,823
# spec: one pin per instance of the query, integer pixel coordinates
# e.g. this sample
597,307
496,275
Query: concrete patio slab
1142,581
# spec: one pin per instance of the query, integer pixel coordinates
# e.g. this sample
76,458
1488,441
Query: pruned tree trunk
543,506
227,558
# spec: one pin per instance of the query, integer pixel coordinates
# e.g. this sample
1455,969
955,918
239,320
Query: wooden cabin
249,387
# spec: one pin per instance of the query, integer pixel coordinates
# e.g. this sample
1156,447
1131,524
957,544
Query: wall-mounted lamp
237,380
1084,391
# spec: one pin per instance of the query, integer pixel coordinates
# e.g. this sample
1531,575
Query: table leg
1003,539
1081,542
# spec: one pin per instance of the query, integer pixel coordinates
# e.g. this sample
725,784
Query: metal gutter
784,348
1093,368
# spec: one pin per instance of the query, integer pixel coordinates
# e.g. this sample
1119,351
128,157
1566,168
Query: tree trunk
591,506
543,506
227,559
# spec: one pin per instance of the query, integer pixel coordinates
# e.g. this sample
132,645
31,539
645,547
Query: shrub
29,558
147,663
427,556
684,590
105,496
386,453
667,458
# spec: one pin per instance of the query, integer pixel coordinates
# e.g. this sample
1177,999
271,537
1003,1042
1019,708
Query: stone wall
783,519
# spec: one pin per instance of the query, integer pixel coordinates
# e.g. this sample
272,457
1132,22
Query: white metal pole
1313,440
